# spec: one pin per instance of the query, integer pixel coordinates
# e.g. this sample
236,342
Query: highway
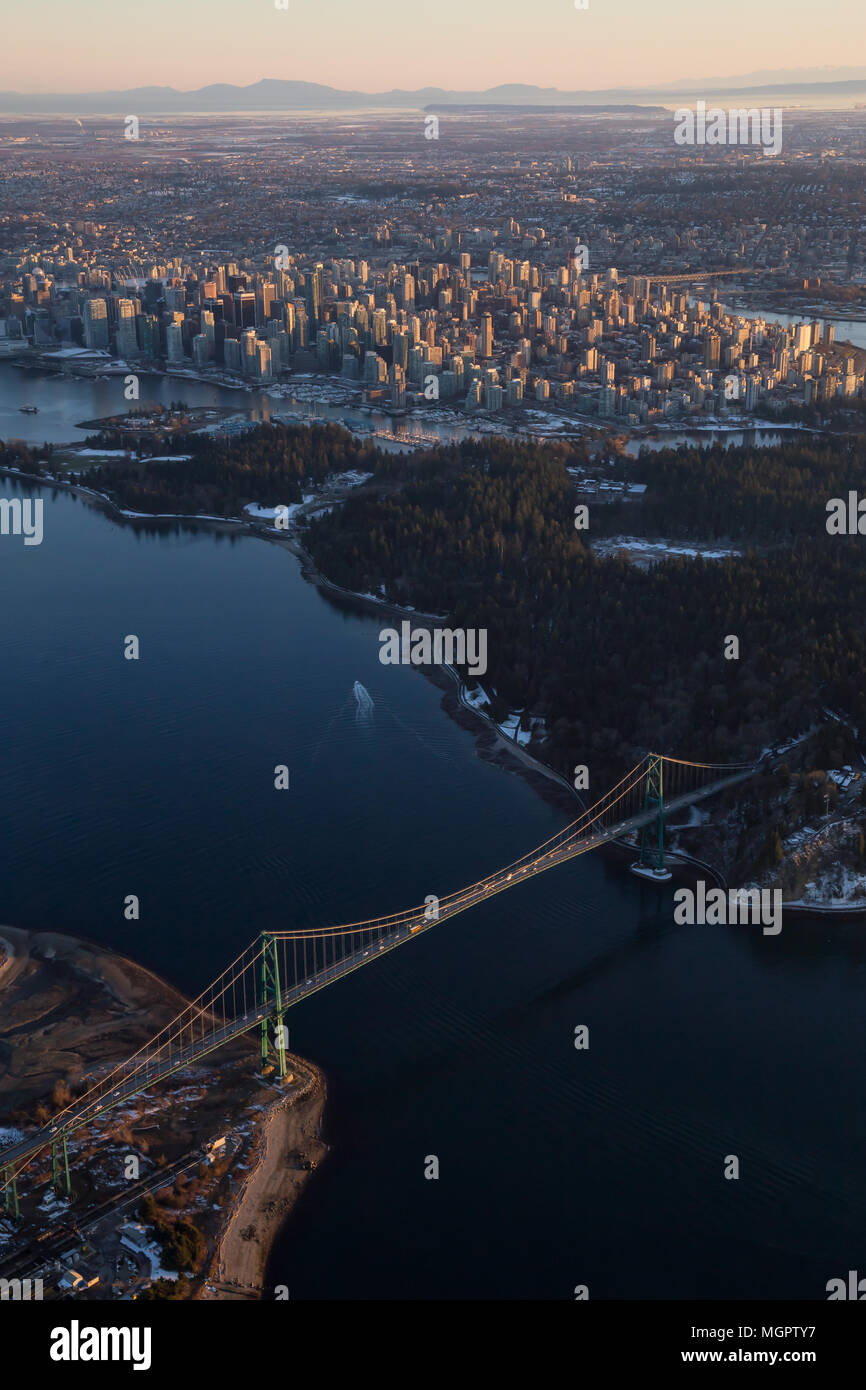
27,1260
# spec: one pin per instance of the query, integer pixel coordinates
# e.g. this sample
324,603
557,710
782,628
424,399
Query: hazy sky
373,45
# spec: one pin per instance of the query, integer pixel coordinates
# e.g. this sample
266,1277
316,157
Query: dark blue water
558,1167
63,403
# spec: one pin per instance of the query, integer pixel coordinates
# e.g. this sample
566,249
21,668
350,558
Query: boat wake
364,705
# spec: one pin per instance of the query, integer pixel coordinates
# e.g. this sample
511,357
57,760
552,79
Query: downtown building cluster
486,337
517,263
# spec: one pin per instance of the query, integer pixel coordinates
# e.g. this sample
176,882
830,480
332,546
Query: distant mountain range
774,77
279,95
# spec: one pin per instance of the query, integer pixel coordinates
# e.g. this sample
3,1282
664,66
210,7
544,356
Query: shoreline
538,774
478,423
237,1266
243,1245
535,772
287,1143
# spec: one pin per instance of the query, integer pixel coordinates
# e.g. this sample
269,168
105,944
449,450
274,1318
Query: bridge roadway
151,1070
695,275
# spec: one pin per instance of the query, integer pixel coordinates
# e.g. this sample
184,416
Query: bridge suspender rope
282,967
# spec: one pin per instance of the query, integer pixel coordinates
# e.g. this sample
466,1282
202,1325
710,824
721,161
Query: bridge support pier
55,1166
12,1206
273,1002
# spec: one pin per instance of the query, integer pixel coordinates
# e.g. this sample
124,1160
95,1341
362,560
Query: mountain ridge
270,94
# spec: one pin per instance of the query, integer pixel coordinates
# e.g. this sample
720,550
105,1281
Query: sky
375,45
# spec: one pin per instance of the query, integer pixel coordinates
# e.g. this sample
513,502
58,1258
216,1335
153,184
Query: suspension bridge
280,968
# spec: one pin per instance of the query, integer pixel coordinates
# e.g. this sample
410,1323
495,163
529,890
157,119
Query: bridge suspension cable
282,967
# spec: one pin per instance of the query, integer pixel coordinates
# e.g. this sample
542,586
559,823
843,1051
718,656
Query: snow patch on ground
102,453
478,700
351,478
287,511
661,549
838,886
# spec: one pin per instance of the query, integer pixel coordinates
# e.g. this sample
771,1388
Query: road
384,934
27,1260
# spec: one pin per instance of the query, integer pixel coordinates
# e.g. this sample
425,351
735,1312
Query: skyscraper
127,342
95,315
485,342
244,310
712,350
315,294
174,342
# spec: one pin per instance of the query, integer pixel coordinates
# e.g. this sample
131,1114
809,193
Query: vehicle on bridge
268,976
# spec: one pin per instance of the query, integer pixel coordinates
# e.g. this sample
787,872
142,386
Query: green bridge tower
272,1003
655,828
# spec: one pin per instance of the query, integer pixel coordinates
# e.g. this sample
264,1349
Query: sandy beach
289,1137
71,1008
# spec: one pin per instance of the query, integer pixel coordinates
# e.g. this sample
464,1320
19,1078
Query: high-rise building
127,342
485,341
398,387
262,364
148,328
315,294
375,370
95,316
712,350
400,349
493,396
248,352
266,297
232,355
244,308
380,330
174,342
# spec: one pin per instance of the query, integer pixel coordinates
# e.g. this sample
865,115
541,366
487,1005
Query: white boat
364,705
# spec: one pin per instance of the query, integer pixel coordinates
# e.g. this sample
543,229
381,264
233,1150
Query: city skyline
433,512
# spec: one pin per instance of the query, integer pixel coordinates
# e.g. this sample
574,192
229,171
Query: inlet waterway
558,1167
63,403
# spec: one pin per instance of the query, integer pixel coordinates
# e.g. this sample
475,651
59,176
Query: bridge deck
156,1068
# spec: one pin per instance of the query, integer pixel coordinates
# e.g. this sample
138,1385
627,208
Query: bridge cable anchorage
279,968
